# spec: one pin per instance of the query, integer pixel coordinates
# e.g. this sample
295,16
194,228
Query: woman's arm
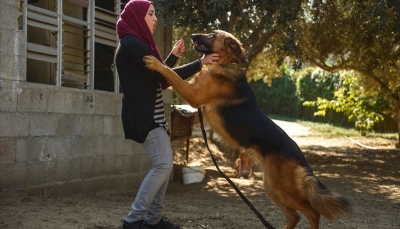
188,70
176,52
135,50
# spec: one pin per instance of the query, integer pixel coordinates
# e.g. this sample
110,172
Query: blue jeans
148,203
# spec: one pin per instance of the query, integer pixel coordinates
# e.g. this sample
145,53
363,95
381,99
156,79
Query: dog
244,165
228,103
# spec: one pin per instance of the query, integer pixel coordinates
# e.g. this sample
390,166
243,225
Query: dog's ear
232,45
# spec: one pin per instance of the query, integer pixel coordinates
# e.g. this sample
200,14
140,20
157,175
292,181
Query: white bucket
193,174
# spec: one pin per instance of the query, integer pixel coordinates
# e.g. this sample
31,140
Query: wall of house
58,140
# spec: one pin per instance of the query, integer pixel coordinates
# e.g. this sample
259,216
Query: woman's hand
179,48
210,58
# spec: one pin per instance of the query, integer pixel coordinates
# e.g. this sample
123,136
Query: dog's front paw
152,63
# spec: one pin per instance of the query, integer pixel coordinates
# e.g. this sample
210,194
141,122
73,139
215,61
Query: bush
279,99
286,96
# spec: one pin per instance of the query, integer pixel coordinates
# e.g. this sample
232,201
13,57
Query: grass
330,131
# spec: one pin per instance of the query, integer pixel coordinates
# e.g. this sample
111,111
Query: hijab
131,21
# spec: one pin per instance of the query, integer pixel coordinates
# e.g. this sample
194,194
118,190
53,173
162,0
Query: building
60,125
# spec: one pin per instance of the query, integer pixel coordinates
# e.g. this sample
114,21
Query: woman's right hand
179,48
210,58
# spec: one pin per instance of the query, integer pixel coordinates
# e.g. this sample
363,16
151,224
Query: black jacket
139,85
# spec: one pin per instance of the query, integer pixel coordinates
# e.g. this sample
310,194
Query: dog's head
223,43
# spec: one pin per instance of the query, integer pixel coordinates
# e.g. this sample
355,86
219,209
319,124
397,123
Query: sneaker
163,224
134,225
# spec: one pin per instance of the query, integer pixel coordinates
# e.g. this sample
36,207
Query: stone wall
58,140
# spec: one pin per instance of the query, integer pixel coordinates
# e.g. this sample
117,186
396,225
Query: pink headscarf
132,22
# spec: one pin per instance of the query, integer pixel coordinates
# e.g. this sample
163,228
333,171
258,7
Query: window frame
99,26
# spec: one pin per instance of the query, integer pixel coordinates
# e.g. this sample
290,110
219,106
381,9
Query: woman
142,107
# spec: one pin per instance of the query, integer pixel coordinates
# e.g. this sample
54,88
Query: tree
363,36
332,34
255,23
349,98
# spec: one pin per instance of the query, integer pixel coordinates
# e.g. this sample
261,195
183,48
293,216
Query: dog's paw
152,63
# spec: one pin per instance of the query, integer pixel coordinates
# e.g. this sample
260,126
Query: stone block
99,166
60,148
31,149
14,124
43,124
36,174
68,169
138,149
6,70
13,61
13,176
113,125
84,146
109,165
136,163
128,164
60,100
69,124
8,150
105,145
92,125
8,96
50,172
118,165
93,184
9,13
87,167
83,102
8,42
107,103
32,99
124,146
133,180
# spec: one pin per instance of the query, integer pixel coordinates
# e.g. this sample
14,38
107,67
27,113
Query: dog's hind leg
291,215
313,218
311,214
294,196
283,183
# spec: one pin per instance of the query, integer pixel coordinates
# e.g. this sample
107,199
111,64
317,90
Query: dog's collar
235,66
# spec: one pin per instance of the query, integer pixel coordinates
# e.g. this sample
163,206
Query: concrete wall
58,140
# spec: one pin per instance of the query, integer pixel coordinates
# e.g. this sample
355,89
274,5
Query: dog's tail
329,205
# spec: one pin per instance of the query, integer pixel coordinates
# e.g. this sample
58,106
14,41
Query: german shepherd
230,108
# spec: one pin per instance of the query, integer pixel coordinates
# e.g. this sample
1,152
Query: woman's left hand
179,48
210,58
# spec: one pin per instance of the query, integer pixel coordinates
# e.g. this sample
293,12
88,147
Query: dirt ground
370,179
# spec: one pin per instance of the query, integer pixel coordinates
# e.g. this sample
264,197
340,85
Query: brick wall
58,140
52,137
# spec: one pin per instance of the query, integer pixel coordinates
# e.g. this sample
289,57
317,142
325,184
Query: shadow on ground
370,179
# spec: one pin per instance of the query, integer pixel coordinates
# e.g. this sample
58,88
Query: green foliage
335,98
264,68
253,22
279,98
363,36
313,83
350,99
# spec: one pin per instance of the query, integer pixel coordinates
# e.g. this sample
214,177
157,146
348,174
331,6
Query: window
71,43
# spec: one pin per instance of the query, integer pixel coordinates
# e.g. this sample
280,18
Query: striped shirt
159,115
